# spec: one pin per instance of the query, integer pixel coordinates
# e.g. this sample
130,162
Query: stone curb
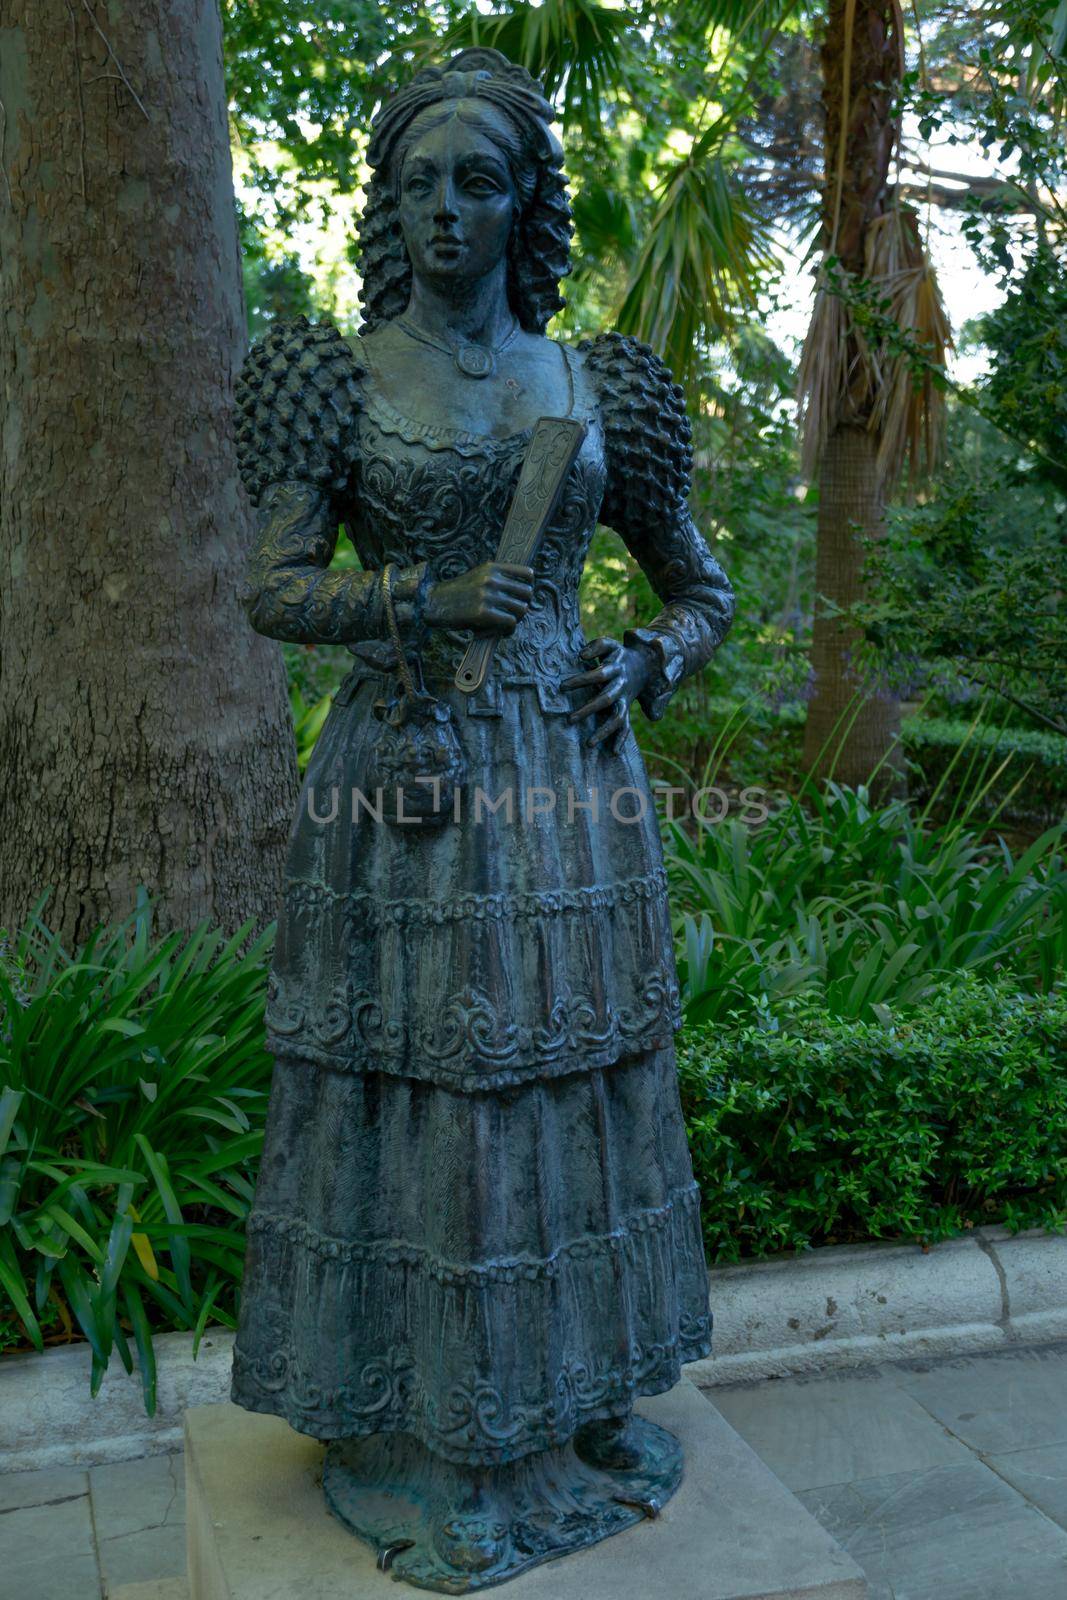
49,1419
854,1306
839,1308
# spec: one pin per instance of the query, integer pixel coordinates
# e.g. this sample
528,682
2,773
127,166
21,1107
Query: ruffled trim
472,1043
387,419
588,975
526,1269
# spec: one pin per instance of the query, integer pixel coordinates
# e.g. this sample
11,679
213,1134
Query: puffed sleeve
297,406
649,460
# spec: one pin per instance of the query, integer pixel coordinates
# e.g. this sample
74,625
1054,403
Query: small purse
417,759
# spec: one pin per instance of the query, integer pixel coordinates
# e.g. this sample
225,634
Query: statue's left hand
623,673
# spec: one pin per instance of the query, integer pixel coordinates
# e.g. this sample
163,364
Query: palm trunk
851,724
851,495
144,731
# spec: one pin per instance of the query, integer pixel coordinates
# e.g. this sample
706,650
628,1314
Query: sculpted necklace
473,360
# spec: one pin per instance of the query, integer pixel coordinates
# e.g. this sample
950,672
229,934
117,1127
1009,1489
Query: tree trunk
850,491
144,731
852,723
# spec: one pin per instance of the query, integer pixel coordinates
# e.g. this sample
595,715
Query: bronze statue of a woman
476,1235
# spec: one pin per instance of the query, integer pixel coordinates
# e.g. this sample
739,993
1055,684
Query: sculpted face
457,203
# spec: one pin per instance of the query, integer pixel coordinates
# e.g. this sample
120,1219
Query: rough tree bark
844,735
144,732
851,504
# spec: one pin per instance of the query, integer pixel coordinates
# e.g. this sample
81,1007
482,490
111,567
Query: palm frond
580,51
702,260
875,352
744,19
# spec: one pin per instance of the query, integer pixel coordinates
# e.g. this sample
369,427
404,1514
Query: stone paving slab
47,1551
139,1516
166,1589
143,1557
1011,1400
950,1533
129,1496
19,1489
815,1432
1040,1475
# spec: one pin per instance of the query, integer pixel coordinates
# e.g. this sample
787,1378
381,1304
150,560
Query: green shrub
133,1086
858,907
1037,762
808,1129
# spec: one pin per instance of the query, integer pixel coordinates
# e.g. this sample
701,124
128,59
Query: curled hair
484,88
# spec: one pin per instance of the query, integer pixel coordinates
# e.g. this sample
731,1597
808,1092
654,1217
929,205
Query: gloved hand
490,598
619,680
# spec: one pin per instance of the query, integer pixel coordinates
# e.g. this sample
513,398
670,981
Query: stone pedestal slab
259,1528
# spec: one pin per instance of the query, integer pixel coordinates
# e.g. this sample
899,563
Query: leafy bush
1036,762
133,1086
857,907
812,1129
308,723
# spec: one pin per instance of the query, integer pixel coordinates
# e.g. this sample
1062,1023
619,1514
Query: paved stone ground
73,1534
944,1480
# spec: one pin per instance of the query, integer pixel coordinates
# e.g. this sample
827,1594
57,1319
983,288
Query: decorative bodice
441,495
318,443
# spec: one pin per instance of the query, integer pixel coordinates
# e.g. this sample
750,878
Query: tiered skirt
475,1220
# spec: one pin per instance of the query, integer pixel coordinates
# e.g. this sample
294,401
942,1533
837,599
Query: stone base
259,1527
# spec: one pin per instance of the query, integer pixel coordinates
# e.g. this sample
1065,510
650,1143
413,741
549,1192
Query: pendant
475,361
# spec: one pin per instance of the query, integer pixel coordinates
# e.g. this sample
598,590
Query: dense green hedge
763,744
1035,761
814,1130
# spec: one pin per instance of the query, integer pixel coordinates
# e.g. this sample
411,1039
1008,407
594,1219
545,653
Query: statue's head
473,136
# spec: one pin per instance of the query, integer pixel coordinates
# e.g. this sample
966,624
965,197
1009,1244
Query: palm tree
869,381
864,413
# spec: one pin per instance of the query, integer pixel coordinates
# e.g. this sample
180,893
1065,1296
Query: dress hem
340,1426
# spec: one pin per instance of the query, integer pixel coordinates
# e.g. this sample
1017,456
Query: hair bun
479,58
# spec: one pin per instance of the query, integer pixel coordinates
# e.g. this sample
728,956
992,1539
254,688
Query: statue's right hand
491,598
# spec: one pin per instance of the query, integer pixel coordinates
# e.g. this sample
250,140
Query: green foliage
276,288
579,50
1026,389
133,1085
817,1130
969,584
857,908
306,74
704,258
1033,766
308,722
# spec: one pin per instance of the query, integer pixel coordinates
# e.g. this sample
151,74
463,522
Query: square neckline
441,437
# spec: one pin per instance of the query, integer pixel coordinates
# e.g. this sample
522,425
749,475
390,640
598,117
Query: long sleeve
649,460
297,411
289,591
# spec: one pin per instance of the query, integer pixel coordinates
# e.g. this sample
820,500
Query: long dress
475,1220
